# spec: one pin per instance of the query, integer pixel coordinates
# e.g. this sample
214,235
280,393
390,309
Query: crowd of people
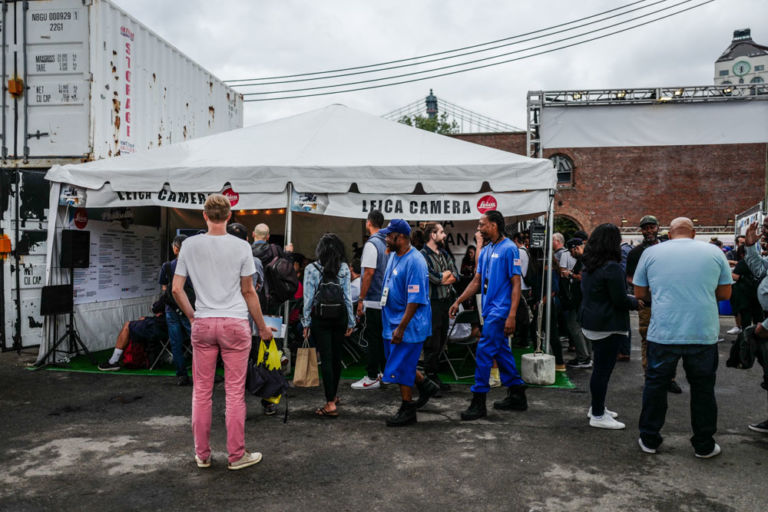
402,288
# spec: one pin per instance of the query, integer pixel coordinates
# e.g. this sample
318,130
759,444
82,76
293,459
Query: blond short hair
217,208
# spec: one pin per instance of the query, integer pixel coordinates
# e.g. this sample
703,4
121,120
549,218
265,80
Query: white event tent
333,161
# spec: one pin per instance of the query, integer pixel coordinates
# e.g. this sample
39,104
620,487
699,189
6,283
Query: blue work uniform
497,264
406,281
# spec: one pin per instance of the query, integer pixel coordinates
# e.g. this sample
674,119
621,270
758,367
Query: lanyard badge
384,295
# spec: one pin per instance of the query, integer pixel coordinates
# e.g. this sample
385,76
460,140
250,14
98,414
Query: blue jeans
178,331
700,364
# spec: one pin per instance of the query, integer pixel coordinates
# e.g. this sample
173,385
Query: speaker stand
70,335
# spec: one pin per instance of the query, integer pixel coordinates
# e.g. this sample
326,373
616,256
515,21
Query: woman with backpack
604,315
328,313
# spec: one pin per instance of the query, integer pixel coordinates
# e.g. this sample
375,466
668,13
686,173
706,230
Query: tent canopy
325,150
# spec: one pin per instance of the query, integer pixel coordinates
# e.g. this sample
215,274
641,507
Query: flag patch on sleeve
413,288
517,261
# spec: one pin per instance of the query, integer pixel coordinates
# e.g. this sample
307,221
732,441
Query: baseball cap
573,242
397,226
648,219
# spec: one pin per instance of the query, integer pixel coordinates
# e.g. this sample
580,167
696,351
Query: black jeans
604,353
329,337
372,334
435,344
700,364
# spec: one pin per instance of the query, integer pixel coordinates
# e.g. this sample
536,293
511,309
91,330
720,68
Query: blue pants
700,364
493,345
178,331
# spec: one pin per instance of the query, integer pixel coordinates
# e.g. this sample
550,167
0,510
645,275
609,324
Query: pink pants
233,337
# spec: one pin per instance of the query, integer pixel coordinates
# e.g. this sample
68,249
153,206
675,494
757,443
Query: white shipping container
94,83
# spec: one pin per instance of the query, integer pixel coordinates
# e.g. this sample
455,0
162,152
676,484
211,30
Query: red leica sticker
486,204
230,194
81,218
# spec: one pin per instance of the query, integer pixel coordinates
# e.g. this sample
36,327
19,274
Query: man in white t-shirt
221,266
373,264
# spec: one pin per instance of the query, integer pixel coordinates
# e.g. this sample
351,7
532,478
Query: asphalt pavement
72,441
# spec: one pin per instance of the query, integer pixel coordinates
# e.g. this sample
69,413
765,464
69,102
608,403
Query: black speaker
75,248
57,300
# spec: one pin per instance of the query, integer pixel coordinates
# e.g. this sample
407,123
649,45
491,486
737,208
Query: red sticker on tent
486,204
81,218
230,194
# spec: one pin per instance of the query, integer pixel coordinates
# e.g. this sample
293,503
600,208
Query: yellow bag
305,374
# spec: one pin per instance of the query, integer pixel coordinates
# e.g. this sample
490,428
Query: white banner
419,207
105,197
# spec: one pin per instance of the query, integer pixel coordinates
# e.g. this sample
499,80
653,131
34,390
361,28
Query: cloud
247,38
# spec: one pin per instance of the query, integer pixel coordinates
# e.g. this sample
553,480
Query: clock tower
744,62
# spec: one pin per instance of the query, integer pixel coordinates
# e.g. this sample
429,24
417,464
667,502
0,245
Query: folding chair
464,317
166,353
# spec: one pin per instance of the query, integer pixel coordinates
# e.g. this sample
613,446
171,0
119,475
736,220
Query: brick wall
514,142
710,183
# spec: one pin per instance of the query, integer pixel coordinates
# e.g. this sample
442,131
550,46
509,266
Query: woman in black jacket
604,315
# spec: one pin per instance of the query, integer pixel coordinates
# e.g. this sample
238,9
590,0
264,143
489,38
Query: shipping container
82,80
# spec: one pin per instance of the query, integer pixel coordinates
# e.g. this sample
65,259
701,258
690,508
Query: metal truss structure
467,120
537,100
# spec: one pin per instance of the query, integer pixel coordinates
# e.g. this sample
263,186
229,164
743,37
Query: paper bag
305,373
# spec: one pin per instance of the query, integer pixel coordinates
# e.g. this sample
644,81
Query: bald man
267,252
686,278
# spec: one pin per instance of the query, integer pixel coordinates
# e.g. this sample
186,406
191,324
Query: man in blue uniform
407,320
498,278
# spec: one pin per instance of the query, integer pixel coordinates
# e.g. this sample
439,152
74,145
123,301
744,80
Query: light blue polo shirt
683,275
407,278
498,263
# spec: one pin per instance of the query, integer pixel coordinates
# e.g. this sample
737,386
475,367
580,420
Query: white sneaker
203,463
734,330
367,383
714,453
605,411
605,421
645,448
248,459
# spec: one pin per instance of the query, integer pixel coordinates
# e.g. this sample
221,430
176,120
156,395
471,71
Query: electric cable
437,53
278,82
449,73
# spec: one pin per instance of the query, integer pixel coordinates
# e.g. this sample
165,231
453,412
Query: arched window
757,80
564,166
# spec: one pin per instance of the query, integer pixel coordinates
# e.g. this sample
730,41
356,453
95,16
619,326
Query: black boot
476,409
515,401
427,389
436,379
406,415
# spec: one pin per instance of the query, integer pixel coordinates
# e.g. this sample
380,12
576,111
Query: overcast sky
255,38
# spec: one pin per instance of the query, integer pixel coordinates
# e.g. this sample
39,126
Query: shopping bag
264,377
305,373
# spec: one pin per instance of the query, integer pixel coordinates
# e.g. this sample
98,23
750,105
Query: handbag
264,377
305,373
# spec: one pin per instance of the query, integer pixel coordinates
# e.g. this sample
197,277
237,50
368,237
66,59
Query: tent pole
550,232
288,235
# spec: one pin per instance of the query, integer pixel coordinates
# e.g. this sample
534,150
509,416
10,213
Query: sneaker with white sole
645,448
106,366
714,453
367,383
759,427
734,330
612,414
248,459
605,421
203,463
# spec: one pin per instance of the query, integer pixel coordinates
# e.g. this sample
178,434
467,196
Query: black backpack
328,302
530,274
282,280
168,296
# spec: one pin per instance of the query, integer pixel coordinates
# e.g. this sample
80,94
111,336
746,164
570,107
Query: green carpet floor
353,371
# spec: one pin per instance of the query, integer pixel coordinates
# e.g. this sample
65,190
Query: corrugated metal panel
98,84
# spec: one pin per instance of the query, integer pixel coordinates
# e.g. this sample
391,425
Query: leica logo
486,204
230,194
